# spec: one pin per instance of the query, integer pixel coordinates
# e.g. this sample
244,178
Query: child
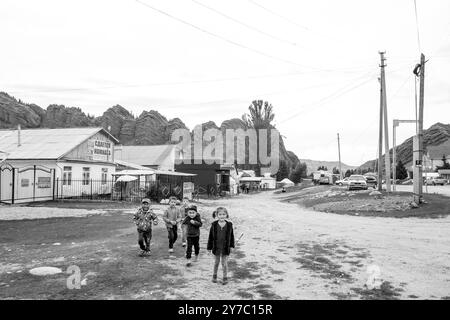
183,209
143,219
172,216
221,239
193,222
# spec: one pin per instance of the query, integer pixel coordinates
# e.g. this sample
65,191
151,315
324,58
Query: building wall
97,148
24,190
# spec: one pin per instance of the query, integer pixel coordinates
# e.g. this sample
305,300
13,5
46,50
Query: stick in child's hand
239,238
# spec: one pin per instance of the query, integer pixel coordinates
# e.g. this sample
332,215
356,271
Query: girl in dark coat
220,242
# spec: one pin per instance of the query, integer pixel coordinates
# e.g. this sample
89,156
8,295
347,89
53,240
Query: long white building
43,163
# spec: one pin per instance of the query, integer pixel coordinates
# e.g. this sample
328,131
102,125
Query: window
86,176
104,175
67,176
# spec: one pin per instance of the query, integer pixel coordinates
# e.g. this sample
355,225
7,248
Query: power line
244,24
334,95
225,39
278,15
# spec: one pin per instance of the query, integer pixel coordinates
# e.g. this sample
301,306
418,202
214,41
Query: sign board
100,150
418,163
188,189
44,182
25,182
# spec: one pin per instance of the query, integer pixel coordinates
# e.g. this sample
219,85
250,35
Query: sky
316,62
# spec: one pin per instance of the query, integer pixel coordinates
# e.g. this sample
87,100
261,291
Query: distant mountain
312,165
437,134
149,128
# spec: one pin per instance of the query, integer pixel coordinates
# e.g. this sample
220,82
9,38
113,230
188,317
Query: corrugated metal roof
44,143
144,155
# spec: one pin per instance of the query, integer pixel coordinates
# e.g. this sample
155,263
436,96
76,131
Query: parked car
343,182
435,181
357,182
371,181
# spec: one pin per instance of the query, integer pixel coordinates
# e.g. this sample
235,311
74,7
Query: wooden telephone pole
387,158
418,140
380,141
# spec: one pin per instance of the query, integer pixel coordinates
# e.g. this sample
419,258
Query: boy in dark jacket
220,242
143,219
193,223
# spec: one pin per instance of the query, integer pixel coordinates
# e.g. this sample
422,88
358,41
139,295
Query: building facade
43,164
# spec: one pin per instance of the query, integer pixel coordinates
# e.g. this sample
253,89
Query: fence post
91,190
112,189
54,176
13,183
34,182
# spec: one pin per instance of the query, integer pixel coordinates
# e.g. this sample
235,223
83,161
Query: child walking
183,209
172,216
143,219
220,242
193,222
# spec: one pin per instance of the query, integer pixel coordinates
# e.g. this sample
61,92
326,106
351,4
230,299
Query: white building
42,164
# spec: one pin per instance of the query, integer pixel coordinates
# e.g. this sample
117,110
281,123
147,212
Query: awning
126,178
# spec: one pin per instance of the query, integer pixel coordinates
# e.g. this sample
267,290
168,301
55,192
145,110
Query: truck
322,177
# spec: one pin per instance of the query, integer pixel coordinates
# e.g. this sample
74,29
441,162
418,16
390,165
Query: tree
400,171
298,173
348,173
445,164
260,116
336,170
322,168
283,171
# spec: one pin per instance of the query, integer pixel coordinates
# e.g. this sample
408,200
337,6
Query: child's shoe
195,258
170,250
188,264
142,253
225,281
184,244
214,279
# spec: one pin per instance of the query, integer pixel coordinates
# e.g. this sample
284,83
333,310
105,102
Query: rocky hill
312,165
433,136
149,128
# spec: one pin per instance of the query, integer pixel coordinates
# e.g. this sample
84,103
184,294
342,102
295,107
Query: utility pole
396,123
380,141
387,158
418,145
339,150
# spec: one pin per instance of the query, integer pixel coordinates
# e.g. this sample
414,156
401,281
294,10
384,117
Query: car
435,181
371,181
357,182
343,182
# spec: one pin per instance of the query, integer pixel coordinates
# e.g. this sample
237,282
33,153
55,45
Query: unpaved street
290,252
286,252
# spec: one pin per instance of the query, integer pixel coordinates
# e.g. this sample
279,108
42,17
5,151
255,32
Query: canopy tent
126,178
286,182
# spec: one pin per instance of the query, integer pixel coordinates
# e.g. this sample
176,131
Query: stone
375,193
45,271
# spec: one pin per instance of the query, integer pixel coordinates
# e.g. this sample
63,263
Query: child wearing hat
143,219
193,222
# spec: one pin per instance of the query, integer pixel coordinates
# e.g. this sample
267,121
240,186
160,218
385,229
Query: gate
6,183
27,184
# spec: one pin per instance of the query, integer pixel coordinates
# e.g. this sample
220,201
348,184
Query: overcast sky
317,62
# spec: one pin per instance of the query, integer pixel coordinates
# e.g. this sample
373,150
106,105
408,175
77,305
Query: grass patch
385,292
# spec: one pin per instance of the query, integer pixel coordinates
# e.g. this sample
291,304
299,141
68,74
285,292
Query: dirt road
290,252
286,252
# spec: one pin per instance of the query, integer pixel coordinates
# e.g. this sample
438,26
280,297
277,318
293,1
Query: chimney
109,128
18,135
